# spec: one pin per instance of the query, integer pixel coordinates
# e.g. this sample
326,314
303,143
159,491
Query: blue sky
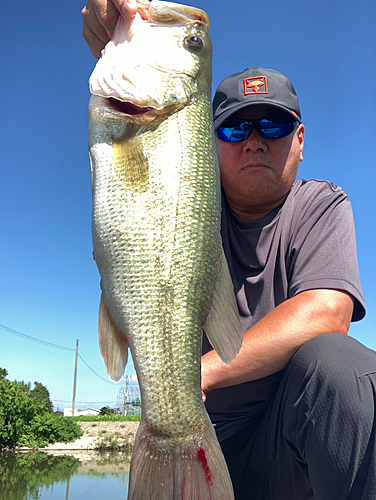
49,284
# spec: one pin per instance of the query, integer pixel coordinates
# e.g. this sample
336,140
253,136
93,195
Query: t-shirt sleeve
322,250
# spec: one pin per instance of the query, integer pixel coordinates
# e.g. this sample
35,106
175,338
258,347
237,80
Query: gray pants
316,440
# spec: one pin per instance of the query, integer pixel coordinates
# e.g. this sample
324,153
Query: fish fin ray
112,344
130,163
222,325
194,469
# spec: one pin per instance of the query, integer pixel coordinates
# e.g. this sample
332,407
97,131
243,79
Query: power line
95,373
33,339
82,402
54,346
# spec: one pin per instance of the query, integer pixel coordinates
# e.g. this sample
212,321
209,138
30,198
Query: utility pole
67,489
126,401
74,382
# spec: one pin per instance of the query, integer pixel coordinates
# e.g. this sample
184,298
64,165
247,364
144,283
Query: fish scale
157,245
176,239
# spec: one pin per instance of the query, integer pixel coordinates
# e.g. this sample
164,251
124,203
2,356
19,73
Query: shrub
25,421
17,410
106,410
50,428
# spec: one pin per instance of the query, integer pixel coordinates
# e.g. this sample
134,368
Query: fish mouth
127,108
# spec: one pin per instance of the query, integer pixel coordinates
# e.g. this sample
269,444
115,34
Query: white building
87,412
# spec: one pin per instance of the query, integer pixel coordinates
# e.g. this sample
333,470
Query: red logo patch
256,85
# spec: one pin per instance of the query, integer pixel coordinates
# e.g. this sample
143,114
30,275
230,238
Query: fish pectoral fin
222,325
112,344
130,163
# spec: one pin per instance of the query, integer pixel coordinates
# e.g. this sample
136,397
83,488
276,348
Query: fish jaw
151,63
169,12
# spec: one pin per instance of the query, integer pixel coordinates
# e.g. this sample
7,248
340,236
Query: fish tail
191,469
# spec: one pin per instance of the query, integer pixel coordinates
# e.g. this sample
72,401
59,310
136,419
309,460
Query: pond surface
57,476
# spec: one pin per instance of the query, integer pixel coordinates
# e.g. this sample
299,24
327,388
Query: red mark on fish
201,455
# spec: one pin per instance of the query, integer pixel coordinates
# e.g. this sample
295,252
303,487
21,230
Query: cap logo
256,85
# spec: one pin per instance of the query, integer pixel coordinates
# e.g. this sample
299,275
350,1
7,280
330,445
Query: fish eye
194,43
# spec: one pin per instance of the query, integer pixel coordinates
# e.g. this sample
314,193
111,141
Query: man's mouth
255,165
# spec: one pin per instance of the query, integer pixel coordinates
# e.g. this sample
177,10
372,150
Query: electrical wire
33,339
95,373
83,402
54,346
62,348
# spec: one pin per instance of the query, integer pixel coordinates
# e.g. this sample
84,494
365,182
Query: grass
109,418
112,442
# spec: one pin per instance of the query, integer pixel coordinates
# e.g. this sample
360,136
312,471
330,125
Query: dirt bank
101,435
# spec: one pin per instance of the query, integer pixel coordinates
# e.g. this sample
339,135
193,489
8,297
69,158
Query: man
294,411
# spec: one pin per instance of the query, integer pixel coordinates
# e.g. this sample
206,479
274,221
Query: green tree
25,387
17,410
42,395
3,373
25,421
106,410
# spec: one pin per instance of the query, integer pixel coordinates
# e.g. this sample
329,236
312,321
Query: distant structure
87,412
129,398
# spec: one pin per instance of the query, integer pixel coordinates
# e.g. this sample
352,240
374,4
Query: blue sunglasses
272,127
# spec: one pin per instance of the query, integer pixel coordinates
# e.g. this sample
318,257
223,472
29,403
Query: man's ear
300,135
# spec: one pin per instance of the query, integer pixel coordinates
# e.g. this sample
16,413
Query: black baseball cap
253,86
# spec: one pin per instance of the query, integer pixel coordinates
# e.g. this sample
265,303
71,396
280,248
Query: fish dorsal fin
222,325
112,344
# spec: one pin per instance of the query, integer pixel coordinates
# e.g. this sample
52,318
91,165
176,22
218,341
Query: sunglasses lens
276,127
272,127
233,131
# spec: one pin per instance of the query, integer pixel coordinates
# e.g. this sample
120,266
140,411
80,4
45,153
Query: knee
335,354
330,382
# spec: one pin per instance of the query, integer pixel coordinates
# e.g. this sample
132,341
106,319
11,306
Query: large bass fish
157,244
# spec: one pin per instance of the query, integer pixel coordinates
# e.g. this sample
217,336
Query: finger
99,19
127,8
93,24
96,45
143,8
203,395
93,32
108,16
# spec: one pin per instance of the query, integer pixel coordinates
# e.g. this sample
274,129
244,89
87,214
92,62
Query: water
53,476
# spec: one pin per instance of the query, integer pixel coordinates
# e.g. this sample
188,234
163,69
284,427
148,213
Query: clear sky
49,284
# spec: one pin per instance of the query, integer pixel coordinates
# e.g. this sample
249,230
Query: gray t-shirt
307,243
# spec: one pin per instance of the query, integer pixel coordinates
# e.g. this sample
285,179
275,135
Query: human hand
211,366
100,17
203,395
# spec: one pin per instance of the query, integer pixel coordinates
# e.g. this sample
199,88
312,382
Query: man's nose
255,141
